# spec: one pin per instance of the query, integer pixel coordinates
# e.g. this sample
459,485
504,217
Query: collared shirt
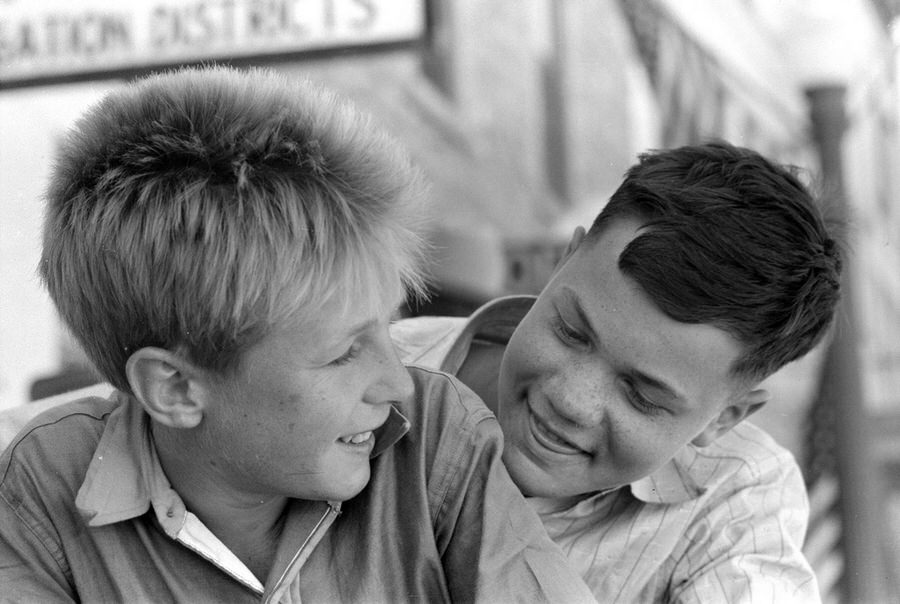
722,523
87,514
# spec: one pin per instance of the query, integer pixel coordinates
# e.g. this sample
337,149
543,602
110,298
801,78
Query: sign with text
60,38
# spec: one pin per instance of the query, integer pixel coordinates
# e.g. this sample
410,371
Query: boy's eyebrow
656,383
366,324
355,330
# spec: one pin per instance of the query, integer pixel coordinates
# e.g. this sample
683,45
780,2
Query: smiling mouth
549,439
357,439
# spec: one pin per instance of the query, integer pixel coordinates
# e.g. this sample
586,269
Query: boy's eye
348,356
639,401
569,333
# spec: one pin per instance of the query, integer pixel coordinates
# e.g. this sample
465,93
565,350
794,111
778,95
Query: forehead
371,292
322,328
629,329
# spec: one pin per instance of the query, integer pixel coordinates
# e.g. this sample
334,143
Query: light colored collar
493,322
672,483
125,477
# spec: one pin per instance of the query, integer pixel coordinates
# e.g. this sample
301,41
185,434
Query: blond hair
197,209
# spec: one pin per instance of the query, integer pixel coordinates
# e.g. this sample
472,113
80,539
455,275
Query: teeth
552,437
556,438
357,438
362,437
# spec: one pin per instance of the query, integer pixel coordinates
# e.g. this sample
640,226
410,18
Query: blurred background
525,114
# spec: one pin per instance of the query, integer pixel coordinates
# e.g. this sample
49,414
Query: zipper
304,552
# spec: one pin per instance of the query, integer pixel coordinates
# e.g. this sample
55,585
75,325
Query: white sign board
59,38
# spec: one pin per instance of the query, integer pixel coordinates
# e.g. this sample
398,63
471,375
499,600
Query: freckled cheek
530,344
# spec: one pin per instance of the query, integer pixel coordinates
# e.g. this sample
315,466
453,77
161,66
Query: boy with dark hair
622,388
229,248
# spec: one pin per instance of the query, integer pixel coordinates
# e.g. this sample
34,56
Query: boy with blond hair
229,247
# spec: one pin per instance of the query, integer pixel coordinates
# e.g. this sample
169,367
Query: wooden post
842,388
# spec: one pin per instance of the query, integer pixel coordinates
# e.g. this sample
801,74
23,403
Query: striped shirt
721,523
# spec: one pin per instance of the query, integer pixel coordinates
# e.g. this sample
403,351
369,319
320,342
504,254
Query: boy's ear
574,242
164,383
731,416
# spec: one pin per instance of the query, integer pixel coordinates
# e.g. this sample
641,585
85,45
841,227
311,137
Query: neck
481,370
246,523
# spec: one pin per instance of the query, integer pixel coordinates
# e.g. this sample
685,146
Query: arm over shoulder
493,545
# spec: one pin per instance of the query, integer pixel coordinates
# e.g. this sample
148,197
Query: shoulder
450,427
12,420
746,474
745,455
57,444
745,458
442,399
747,528
89,412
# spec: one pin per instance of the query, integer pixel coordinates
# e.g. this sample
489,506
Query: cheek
524,362
308,420
647,445
634,438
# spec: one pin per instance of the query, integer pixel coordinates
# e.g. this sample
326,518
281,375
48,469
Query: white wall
31,121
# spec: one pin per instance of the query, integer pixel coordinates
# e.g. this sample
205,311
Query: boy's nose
394,382
581,399
400,382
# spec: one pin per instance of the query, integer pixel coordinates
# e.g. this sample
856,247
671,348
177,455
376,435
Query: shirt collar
125,478
669,485
390,432
493,322
672,483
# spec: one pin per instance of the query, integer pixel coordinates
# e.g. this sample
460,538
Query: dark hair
732,240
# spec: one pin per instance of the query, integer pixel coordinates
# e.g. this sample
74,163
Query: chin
349,487
531,481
